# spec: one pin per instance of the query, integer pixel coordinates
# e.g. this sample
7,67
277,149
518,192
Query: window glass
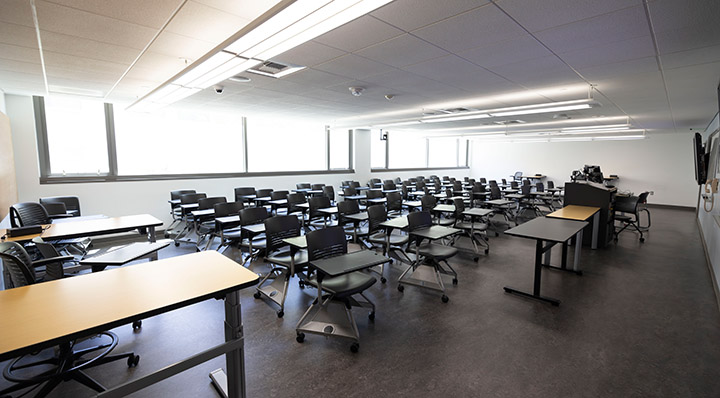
443,152
178,141
285,145
76,136
377,150
339,149
462,152
407,149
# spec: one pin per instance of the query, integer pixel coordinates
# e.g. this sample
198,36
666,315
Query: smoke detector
356,91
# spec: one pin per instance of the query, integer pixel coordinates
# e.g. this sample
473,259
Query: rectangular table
43,315
93,227
553,231
580,213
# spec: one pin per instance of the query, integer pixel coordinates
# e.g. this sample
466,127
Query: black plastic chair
285,261
228,232
627,213
175,210
329,191
377,236
72,203
28,213
255,243
316,218
352,227
205,225
69,360
278,195
187,217
475,230
394,204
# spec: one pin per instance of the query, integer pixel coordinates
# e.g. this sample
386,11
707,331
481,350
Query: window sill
419,169
160,177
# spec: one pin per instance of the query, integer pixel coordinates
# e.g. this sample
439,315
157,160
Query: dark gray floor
642,322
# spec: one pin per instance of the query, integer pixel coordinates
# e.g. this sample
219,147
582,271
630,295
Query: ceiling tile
72,22
18,12
412,14
18,35
246,9
619,69
403,50
17,53
353,67
156,66
360,33
310,54
506,52
625,50
87,48
526,71
452,70
691,57
10,65
688,38
539,15
152,14
316,78
412,83
477,28
604,29
180,46
192,21
69,62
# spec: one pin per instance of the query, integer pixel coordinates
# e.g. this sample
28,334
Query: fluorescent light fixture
620,138
225,71
443,118
568,139
396,123
513,110
594,127
542,110
204,68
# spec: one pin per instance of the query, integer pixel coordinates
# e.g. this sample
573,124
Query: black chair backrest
504,181
419,220
495,192
277,195
355,184
225,209
53,270
329,191
278,228
525,190
242,191
404,192
478,187
17,263
376,215
374,194
348,207
295,199
263,193
540,187
315,187
394,201
303,185
643,197
483,180
388,182
428,202
513,184
325,243
55,208
492,183
253,215
316,203
28,213
389,186
72,203
551,185
526,182
627,204
420,185
459,208
446,178
471,181
175,195
191,198
350,191
398,180
209,203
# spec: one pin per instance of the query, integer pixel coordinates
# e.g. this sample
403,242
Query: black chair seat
283,257
395,240
445,221
439,252
322,224
346,285
256,243
622,217
477,226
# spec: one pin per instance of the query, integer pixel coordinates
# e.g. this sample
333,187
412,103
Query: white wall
709,224
122,198
2,102
662,163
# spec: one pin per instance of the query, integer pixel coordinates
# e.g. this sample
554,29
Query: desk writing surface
478,212
346,263
444,208
435,232
92,227
125,254
399,223
329,210
40,315
574,212
254,228
227,219
297,241
549,229
362,216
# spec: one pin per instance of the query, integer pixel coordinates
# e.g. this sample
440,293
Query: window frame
112,176
466,160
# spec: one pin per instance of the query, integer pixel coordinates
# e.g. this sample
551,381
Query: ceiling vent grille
275,69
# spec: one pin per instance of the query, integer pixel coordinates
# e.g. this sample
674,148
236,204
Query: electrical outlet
652,192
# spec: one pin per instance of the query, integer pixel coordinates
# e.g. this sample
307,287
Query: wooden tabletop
45,314
94,227
574,212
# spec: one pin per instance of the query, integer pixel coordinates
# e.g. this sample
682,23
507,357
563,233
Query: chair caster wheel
177,244
642,239
256,295
476,259
300,337
280,313
372,316
383,279
497,234
354,347
401,288
136,325
445,298
132,361
166,235
455,281
487,251
615,240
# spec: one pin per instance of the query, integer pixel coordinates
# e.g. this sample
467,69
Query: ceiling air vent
275,69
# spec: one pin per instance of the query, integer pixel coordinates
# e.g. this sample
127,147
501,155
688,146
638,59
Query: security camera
389,97
219,89
356,91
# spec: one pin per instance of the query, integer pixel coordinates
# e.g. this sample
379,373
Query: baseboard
709,264
673,207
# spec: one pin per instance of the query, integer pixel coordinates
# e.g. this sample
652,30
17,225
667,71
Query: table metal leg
578,246
234,385
596,230
151,234
539,249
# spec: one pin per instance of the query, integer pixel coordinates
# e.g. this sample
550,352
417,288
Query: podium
585,193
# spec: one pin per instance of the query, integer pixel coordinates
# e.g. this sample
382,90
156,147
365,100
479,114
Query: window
285,145
377,150
443,152
339,149
407,149
175,141
76,136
